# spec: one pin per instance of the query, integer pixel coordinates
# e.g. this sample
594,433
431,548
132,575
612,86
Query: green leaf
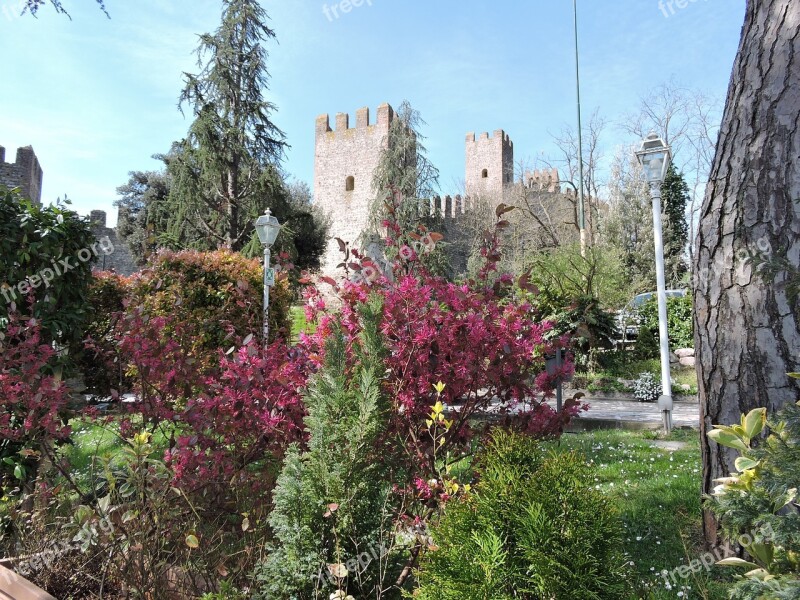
744,463
725,438
19,472
737,562
761,552
192,541
754,422
785,499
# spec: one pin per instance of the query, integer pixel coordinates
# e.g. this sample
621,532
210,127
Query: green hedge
679,320
534,527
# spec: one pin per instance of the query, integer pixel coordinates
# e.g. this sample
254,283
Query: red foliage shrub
223,419
219,294
487,349
31,400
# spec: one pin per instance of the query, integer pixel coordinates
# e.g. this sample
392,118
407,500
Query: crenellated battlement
348,150
24,173
385,116
448,207
545,180
498,134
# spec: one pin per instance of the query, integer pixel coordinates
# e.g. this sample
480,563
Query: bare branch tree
567,163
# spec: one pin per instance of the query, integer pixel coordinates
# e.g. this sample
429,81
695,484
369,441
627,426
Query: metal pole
581,208
663,335
266,297
558,387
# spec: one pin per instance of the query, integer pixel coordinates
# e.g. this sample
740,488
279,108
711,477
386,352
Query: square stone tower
344,163
489,165
24,173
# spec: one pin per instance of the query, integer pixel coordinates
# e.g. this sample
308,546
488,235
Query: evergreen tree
404,181
143,211
331,518
674,198
227,171
33,6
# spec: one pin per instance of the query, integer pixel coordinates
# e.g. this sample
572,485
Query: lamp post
654,156
581,200
267,228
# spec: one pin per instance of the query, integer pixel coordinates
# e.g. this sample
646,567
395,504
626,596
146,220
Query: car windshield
640,300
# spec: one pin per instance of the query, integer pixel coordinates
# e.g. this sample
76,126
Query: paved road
645,414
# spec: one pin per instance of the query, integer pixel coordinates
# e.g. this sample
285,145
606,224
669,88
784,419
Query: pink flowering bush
486,348
31,400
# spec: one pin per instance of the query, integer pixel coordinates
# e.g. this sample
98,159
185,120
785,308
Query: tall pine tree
674,198
227,172
333,501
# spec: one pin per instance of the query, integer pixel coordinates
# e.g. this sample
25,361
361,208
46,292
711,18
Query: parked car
628,319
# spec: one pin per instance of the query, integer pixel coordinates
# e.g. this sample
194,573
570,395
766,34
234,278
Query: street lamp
267,228
654,156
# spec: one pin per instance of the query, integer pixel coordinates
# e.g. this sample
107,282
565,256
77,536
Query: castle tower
489,165
344,163
25,173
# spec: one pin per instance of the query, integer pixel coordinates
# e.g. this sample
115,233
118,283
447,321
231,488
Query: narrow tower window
350,184
485,174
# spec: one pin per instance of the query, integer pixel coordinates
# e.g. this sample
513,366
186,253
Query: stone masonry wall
121,260
344,163
25,173
489,165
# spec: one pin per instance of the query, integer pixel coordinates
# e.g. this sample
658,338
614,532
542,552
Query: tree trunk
746,330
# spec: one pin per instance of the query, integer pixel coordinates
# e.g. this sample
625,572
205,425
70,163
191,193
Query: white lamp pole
654,156
267,228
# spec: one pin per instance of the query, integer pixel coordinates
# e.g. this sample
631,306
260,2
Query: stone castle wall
119,261
489,168
344,162
24,173
346,158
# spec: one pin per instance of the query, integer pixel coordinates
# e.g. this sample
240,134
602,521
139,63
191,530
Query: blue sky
97,97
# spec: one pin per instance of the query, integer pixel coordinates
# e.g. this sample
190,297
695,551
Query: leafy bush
679,320
219,294
229,422
568,272
100,361
138,533
647,346
31,402
46,252
758,505
474,336
588,325
533,528
646,388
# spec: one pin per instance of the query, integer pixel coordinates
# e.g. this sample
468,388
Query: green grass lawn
299,323
657,492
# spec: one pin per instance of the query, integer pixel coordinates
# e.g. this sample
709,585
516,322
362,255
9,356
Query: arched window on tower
350,184
485,174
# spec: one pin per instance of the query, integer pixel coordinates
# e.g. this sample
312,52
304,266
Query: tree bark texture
746,331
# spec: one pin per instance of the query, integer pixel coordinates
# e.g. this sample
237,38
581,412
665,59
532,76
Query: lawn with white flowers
657,491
